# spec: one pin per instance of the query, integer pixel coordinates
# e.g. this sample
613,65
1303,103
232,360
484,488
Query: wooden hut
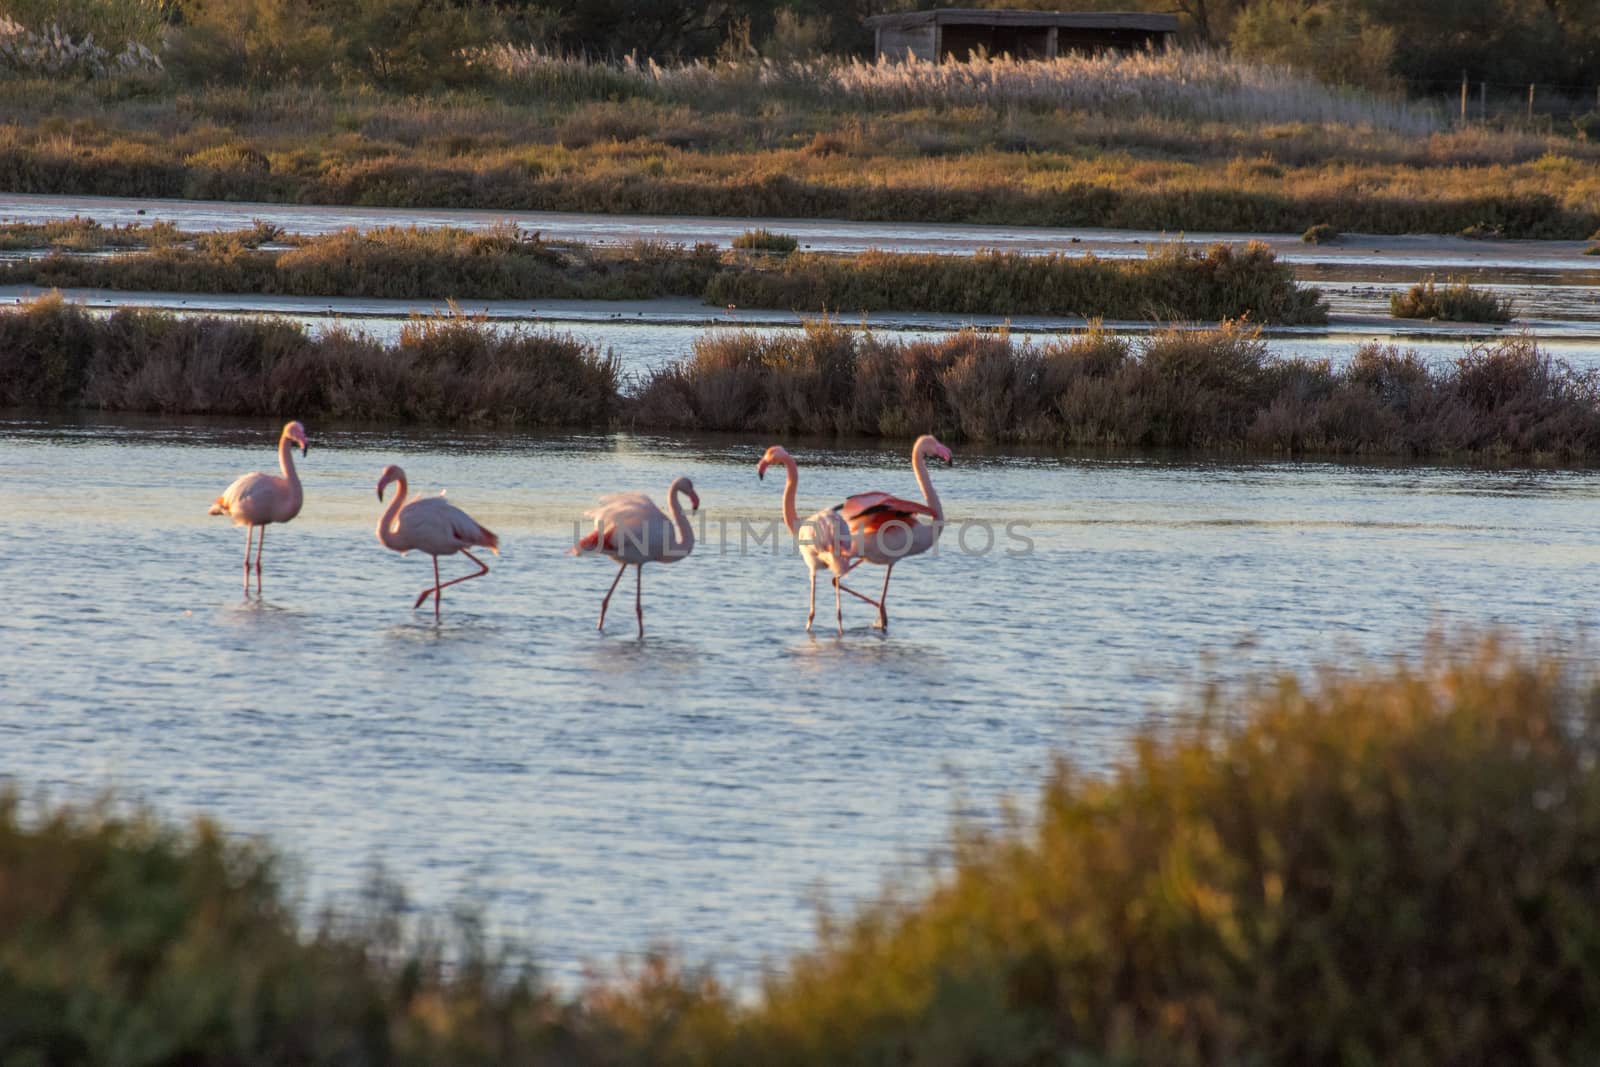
958,32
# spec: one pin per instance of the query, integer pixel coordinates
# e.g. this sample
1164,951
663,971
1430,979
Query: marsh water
594,793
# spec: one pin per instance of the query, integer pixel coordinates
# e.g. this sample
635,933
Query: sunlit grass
754,148
1172,282
1455,302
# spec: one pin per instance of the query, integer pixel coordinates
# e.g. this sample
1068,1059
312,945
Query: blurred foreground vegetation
1390,864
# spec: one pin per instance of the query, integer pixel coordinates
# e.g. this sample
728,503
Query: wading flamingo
431,524
824,538
884,529
631,531
256,499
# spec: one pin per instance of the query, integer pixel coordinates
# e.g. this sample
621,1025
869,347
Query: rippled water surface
598,793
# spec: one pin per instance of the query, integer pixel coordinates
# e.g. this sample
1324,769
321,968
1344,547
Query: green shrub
766,241
1318,873
1457,302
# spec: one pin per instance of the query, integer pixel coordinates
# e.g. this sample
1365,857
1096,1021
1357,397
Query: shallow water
597,793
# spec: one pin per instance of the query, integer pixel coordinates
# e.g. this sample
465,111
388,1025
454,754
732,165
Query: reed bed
1174,282
1455,302
442,370
1300,872
1215,389
1190,85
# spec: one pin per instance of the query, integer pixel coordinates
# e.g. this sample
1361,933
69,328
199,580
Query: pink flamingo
630,530
431,525
885,528
256,499
824,538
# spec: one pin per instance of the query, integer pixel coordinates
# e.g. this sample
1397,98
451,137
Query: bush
1177,388
1457,302
1320,873
1320,234
56,355
766,241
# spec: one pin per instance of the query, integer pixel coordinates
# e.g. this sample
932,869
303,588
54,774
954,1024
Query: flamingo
827,541
256,499
431,525
873,515
630,530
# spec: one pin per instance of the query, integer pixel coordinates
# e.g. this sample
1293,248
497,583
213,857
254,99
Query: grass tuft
1320,233
1456,302
761,240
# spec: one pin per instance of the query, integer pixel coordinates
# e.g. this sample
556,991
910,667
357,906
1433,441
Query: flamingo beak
761,470
694,502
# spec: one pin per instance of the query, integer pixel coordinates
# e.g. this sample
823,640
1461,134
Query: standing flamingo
432,525
630,529
885,528
824,538
256,499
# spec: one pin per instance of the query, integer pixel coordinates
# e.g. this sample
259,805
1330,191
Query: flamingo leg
839,581
812,614
249,540
883,599
483,568
838,605
607,601
638,596
260,543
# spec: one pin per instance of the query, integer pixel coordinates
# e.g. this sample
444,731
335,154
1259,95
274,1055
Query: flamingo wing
619,518
251,499
866,512
440,528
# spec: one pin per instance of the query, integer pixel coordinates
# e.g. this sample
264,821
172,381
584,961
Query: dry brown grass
757,155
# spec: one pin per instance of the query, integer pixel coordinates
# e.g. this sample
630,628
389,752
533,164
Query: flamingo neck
683,544
286,464
919,464
386,531
791,486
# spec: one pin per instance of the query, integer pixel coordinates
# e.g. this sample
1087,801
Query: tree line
1415,45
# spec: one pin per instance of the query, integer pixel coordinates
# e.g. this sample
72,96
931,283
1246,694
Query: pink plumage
256,499
432,525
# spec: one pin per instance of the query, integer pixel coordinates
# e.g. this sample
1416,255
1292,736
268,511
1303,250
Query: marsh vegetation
1215,389
1172,282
